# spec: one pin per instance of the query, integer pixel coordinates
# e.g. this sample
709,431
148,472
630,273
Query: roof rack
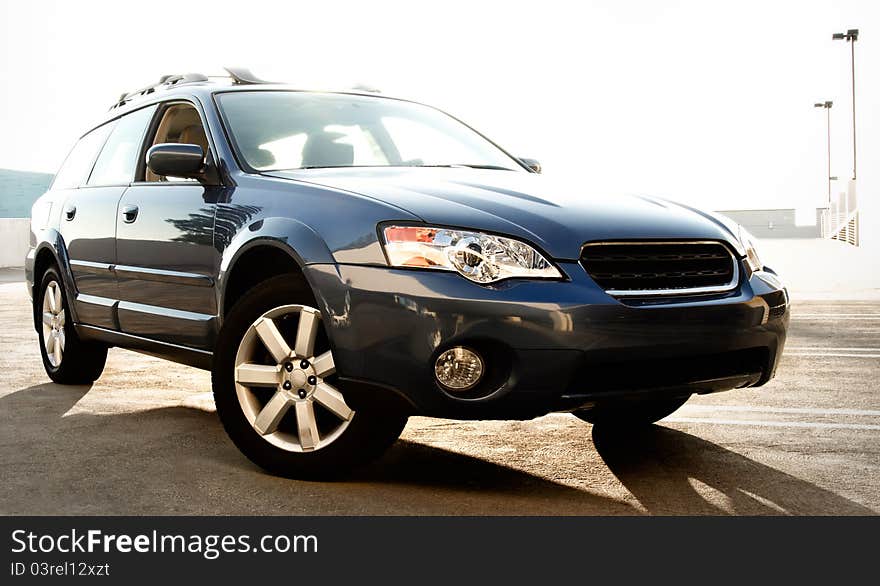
242,76
362,87
164,82
239,76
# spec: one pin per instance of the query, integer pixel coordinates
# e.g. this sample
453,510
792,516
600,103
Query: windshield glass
275,130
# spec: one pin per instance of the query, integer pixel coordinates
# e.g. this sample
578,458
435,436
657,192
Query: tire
290,430
630,413
68,360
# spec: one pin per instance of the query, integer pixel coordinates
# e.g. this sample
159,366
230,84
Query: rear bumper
551,345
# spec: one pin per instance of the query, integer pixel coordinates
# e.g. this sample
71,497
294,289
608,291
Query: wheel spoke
306,332
50,295
257,375
332,399
324,365
47,318
273,340
307,425
58,305
57,351
61,339
50,342
269,418
61,317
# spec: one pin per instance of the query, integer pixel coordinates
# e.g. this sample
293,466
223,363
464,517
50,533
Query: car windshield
280,130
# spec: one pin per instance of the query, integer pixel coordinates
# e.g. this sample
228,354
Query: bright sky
705,102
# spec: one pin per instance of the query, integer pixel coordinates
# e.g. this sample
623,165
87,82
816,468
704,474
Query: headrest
261,158
322,150
195,134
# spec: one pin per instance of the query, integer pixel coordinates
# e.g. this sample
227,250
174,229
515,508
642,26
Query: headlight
482,258
748,242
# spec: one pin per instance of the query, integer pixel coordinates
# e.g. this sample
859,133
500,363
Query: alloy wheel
53,323
287,392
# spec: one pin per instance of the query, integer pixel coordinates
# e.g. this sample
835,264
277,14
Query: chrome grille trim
705,290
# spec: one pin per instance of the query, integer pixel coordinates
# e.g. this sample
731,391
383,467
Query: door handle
69,212
129,213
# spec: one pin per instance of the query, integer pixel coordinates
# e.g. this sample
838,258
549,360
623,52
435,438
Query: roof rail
164,81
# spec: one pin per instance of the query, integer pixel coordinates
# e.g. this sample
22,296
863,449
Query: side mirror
176,160
532,164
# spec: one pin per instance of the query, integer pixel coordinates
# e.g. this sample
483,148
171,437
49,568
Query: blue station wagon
341,261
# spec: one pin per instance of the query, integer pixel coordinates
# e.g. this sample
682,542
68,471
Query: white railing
841,220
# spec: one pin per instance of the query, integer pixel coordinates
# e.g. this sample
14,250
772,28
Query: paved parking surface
144,439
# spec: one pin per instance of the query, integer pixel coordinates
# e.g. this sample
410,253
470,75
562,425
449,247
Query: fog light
459,369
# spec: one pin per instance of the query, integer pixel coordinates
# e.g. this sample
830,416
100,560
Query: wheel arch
50,250
270,247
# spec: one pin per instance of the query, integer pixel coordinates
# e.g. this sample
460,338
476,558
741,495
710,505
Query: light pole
851,36
827,105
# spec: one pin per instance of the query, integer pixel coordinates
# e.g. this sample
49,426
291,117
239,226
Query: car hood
558,217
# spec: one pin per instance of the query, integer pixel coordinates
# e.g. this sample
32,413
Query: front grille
660,268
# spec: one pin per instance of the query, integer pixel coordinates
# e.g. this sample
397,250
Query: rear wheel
277,393
630,413
67,359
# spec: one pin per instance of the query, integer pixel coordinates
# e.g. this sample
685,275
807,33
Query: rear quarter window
78,164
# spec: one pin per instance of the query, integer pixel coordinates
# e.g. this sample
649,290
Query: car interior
181,124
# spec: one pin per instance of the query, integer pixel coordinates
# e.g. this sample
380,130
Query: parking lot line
791,410
760,423
833,354
797,317
829,349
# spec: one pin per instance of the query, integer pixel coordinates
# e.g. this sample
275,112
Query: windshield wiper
493,167
325,167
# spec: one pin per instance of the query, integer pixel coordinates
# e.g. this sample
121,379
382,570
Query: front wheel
630,413
277,393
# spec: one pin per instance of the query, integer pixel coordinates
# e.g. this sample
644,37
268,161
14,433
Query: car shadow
671,472
100,460
178,460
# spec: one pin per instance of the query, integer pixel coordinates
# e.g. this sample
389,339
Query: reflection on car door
166,260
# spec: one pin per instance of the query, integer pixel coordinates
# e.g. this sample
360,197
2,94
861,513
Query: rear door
90,184
88,220
88,226
166,260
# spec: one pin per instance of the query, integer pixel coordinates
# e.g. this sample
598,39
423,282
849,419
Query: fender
50,239
293,237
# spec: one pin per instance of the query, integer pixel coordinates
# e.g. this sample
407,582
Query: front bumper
551,345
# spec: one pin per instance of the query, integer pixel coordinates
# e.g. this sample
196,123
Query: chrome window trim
729,286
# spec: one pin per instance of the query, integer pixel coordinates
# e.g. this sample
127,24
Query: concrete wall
14,241
778,223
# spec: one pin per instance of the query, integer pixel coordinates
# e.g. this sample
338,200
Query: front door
166,263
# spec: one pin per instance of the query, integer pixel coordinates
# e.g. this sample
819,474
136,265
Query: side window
181,124
78,164
119,157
